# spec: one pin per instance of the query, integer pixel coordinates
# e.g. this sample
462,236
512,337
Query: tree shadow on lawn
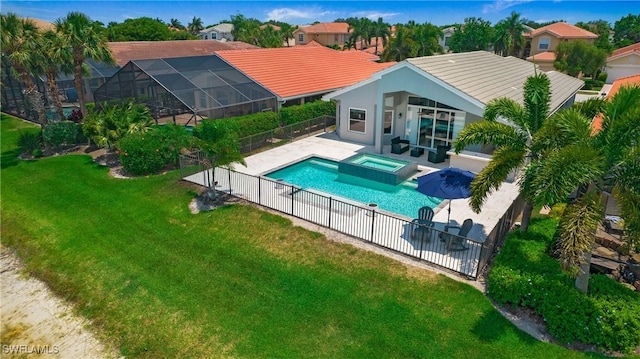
9,158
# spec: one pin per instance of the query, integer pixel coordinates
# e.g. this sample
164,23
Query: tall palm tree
400,46
427,36
286,30
176,24
19,44
509,34
513,141
53,59
84,39
380,30
607,160
195,26
361,29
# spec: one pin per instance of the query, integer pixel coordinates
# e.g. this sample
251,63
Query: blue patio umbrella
448,183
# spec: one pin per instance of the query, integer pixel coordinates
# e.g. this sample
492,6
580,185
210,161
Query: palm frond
566,127
507,109
577,229
489,132
564,170
505,159
537,98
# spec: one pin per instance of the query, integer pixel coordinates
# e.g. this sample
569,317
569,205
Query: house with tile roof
623,62
428,100
325,33
220,32
541,43
300,74
633,80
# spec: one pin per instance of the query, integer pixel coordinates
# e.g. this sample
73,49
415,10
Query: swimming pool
52,113
322,175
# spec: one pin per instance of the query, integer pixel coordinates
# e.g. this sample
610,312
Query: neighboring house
220,32
301,74
547,38
633,80
428,100
325,33
446,36
544,60
623,62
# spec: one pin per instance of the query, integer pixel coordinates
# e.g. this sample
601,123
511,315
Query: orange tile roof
633,80
543,56
625,50
327,28
564,30
126,51
302,70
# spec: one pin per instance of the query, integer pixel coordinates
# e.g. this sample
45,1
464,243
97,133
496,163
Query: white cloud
287,14
500,5
372,15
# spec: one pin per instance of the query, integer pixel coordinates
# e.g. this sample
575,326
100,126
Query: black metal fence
282,135
365,222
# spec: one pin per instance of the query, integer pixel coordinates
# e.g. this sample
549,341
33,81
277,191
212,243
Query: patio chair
456,241
399,146
423,225
439,155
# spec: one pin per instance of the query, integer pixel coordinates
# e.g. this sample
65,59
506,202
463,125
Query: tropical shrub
150,152
30,143
218,142
248,125
105,127
524,275
58,134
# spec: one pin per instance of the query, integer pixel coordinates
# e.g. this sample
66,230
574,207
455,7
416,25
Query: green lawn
158,281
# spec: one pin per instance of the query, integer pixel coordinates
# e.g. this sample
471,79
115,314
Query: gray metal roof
485,76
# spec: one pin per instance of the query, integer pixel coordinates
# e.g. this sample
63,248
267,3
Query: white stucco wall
365,99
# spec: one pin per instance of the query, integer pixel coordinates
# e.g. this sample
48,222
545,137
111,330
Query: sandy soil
35,323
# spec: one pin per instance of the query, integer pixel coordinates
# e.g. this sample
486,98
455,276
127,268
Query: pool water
52,113
378,163
322,175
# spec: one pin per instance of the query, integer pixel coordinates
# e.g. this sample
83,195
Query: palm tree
20,39
84,39
361,29
426,37
286,30
53,58
512,141
381,30
608,160
400,45
509,34
176,24
195,26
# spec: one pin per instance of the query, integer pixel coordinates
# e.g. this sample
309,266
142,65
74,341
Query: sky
302,12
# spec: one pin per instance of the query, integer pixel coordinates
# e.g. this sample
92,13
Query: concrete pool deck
329,146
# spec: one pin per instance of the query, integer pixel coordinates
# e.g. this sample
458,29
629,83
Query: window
543,44
300,37
206,37
357,120
388,122
446,40
335,38
214,36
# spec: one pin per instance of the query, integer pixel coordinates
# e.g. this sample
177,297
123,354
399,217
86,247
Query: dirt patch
34,321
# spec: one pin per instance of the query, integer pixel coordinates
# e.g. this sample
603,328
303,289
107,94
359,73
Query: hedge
525,275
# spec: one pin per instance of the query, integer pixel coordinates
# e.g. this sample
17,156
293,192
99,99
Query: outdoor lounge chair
399,146
456,241
423,225
439,155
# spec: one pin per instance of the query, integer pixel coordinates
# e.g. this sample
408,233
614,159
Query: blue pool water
322,175
52,113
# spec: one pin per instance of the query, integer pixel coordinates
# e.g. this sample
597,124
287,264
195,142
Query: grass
158,281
